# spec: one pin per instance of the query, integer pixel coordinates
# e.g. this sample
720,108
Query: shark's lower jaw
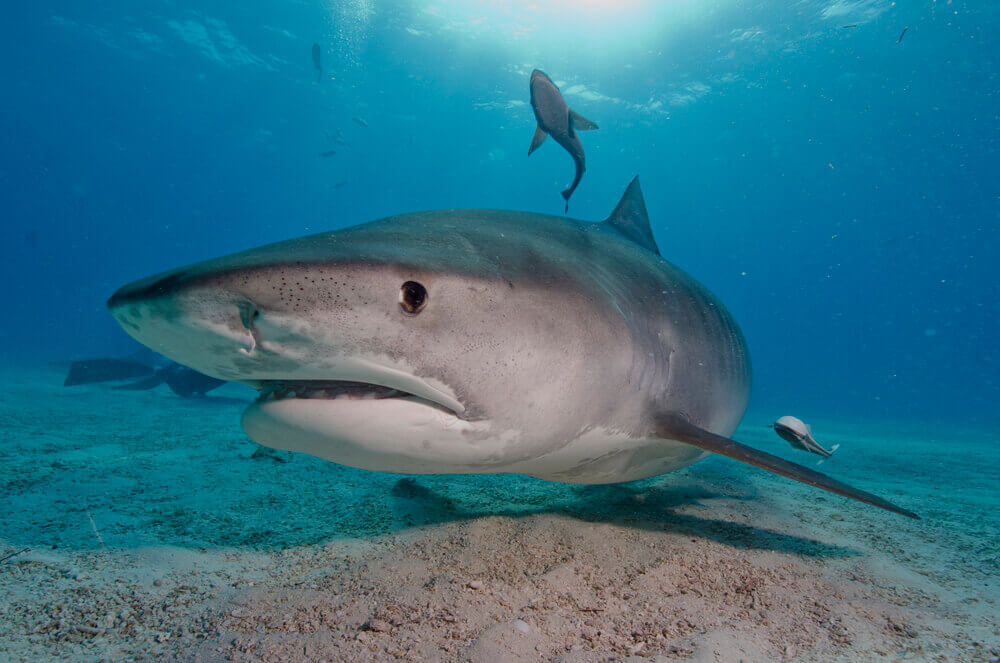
362,425
386,430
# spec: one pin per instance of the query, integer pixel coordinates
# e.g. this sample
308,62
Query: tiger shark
470,341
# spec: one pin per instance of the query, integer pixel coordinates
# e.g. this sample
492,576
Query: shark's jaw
317,395
273,391
353,410
362,425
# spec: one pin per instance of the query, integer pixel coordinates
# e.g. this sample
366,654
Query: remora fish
798,433
469,341
317,62
555,119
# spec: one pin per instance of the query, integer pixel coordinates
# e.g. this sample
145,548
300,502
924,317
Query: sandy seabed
141,526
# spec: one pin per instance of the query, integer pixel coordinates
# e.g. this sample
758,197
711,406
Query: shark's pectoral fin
537,139
580,123
676,427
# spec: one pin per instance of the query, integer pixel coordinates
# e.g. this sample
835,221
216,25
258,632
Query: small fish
902,33
797,433
360,121
328,153
340,185
556,119
337,138
845,27
317,62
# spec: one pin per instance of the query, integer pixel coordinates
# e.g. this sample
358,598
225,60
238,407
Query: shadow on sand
389,504
234,498
628,505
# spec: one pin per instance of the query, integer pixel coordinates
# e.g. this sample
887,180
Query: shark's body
556,119
466,341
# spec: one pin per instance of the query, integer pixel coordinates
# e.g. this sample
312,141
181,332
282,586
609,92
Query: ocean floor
141,526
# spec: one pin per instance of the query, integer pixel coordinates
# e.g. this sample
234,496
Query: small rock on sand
376,625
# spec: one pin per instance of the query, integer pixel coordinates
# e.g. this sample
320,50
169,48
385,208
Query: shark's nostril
248,313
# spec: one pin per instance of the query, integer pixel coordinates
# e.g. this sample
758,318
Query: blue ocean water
828,168
831,178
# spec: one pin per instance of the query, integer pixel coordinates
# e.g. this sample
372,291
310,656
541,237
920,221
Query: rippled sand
141,526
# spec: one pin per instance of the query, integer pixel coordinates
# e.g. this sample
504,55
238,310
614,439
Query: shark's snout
144,290
193,320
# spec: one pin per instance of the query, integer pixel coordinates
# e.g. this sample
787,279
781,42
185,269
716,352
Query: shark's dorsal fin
631,219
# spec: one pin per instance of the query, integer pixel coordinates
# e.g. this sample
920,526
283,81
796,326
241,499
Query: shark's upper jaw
226,335
333,388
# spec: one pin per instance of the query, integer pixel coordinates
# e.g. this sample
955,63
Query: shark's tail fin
566,194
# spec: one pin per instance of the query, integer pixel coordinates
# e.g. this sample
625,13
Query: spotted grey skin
566,350
555,119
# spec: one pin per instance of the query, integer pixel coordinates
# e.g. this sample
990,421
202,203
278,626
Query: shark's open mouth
274,390
278,389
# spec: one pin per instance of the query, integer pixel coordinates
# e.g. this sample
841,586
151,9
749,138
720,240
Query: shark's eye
412,297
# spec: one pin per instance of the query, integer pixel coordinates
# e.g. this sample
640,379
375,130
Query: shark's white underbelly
602,456
407,436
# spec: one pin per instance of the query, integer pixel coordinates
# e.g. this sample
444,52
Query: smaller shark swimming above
555,119
470,341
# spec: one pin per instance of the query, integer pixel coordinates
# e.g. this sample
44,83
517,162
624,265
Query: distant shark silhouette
183,381
317,62
89,371
555,119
